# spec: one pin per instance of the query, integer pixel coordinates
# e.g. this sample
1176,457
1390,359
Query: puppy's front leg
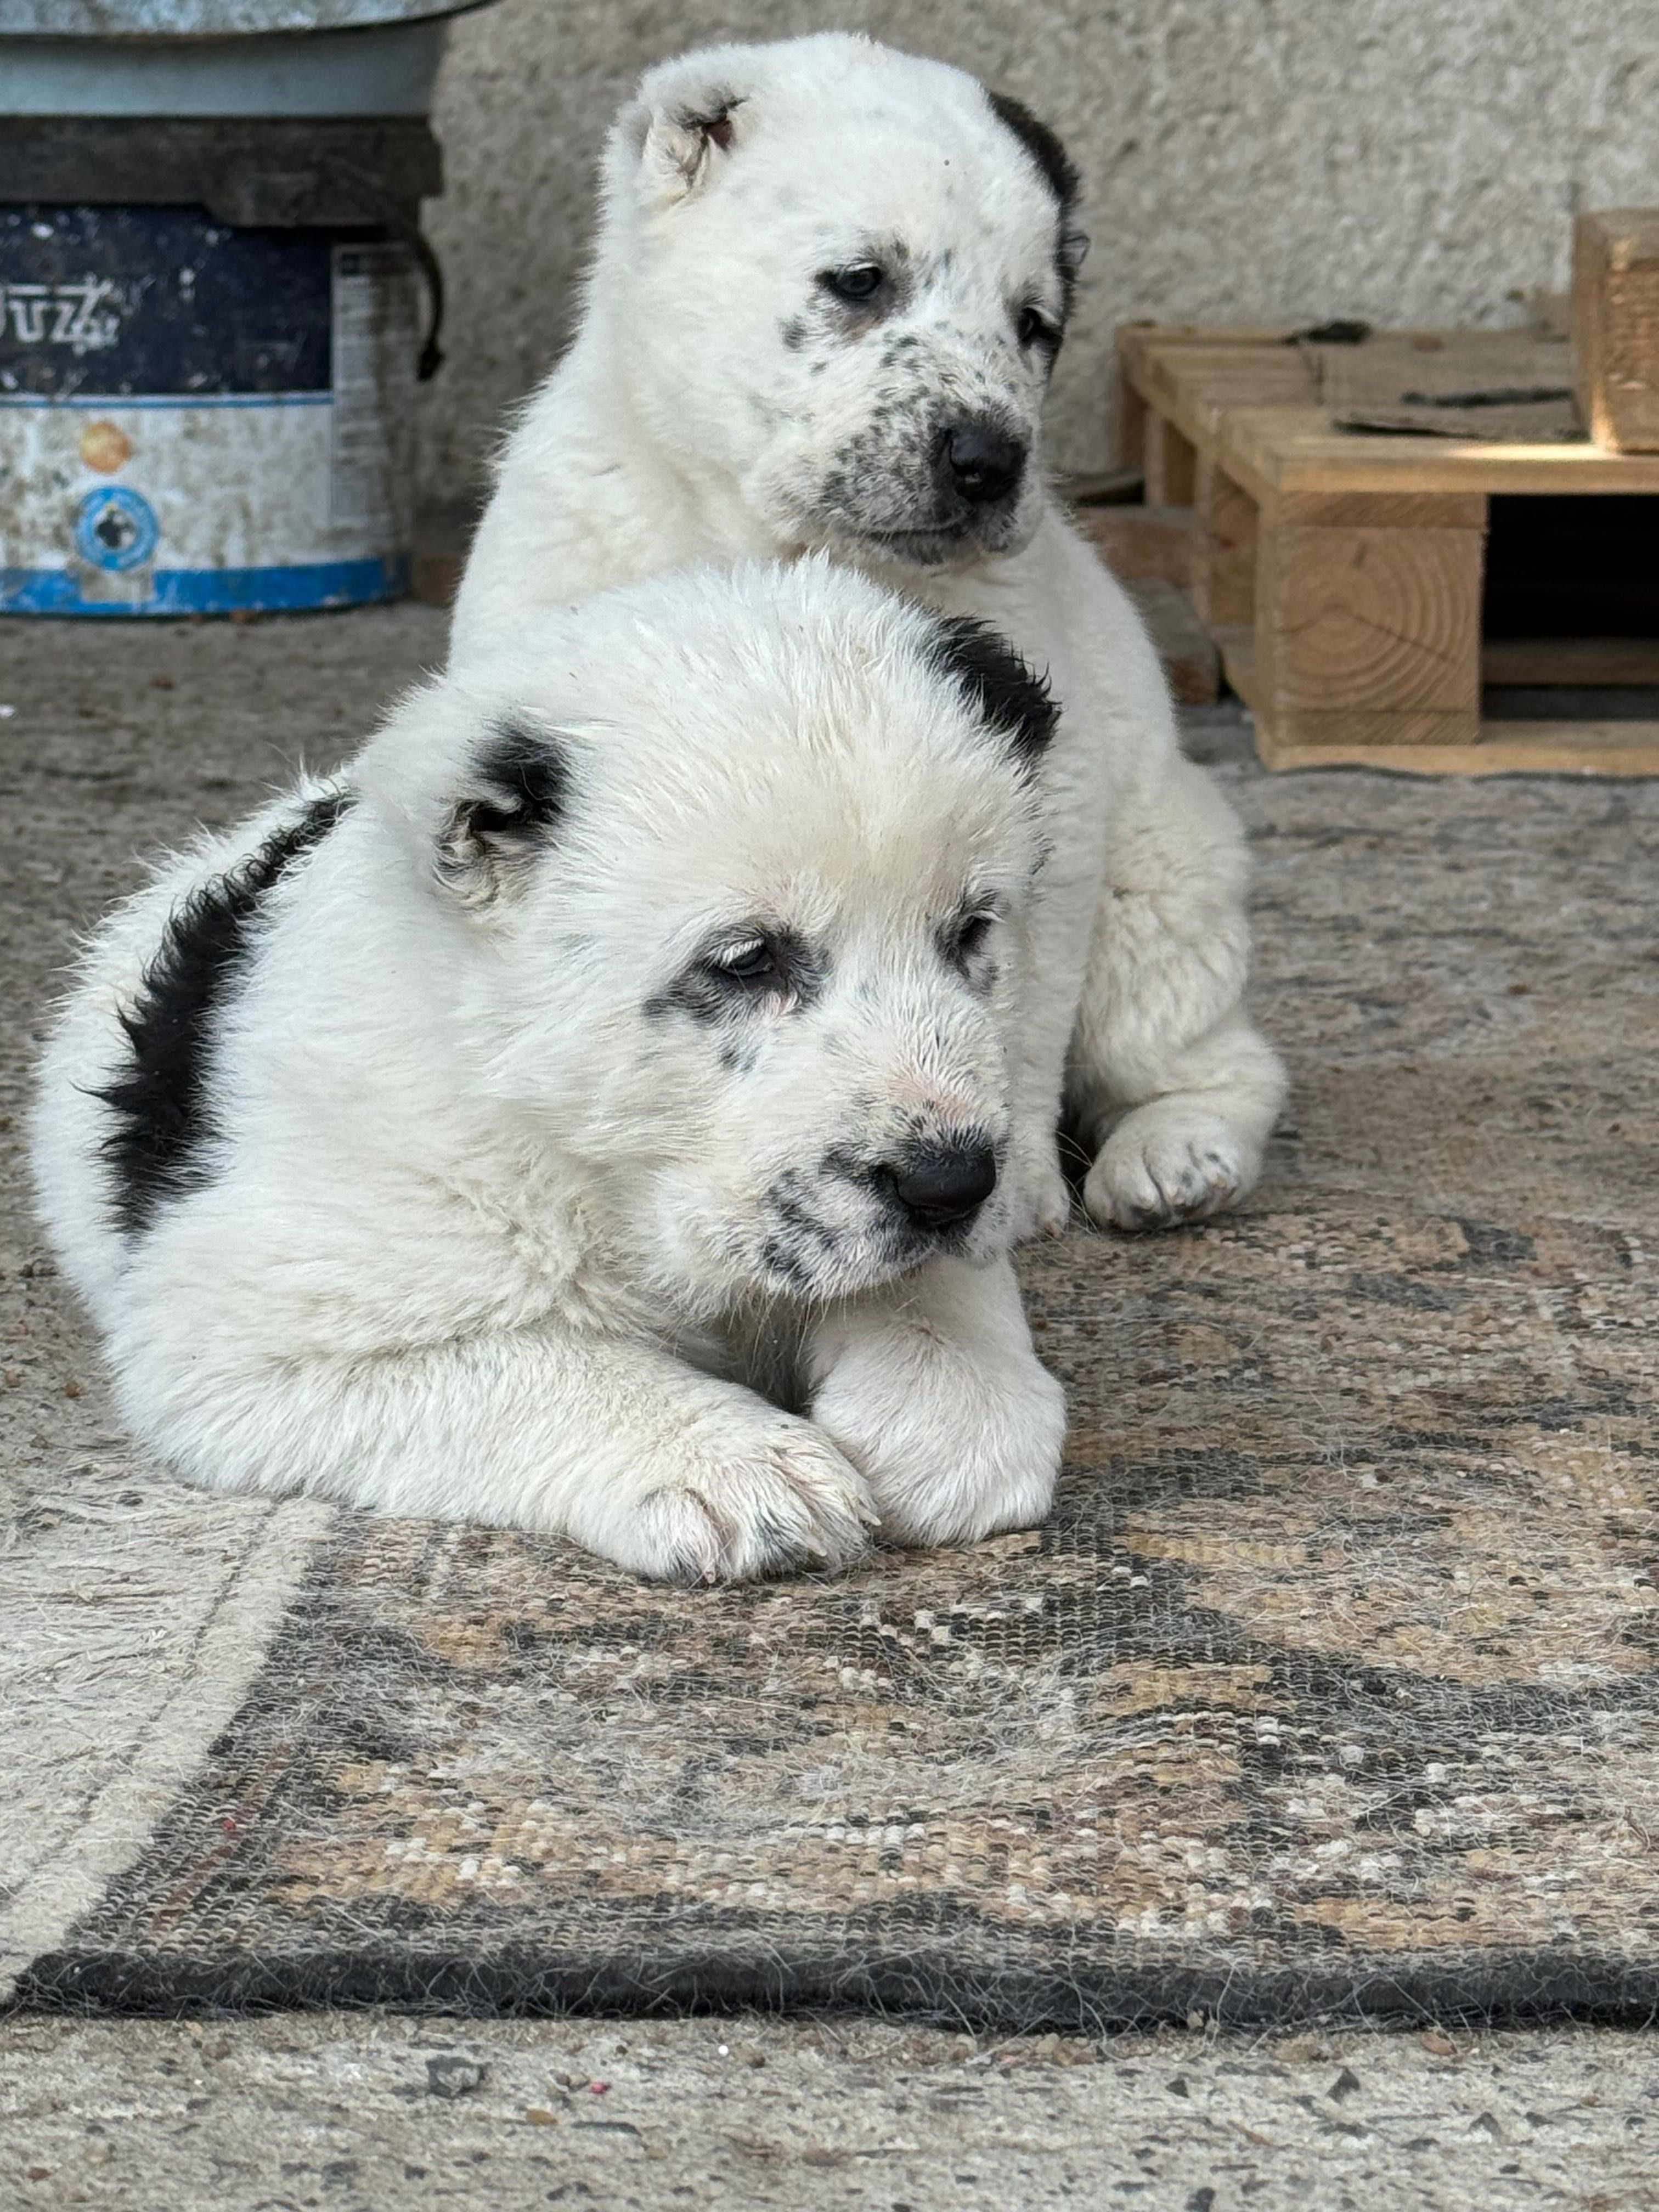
1161,1030
932,1390
671,1472
1056,953
689,1478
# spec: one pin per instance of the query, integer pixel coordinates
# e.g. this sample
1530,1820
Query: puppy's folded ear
506,815
682,128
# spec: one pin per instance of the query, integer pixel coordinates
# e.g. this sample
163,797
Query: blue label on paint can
115,529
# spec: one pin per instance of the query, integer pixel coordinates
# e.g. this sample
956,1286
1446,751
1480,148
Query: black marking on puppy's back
1000,688
159,1098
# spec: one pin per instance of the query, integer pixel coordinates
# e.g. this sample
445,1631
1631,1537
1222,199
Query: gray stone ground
141,731
364,2112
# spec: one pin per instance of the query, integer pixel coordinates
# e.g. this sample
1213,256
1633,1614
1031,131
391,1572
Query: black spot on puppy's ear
695,128
1001,689
1043,145
1059,173
507,816
718,127
1005,694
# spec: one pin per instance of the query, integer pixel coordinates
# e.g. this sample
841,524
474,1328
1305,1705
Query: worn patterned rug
1331,1688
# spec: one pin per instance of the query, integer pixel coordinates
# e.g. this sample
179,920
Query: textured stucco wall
1244,159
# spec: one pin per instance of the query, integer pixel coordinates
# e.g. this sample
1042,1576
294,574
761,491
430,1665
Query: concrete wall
1245,159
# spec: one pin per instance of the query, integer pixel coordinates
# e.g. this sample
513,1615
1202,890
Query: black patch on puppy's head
509,814
1003,692
1059,173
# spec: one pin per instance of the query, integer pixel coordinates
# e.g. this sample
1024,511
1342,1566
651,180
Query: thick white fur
715,406
487,1225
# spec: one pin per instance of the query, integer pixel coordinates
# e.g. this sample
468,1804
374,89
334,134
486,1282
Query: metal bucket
222,56
210,314
196,419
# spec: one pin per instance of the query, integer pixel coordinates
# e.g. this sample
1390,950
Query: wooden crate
1340,576
1615,314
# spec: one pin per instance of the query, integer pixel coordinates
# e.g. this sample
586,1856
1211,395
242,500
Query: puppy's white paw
770,1500
1039,1203
954,1445
1170,1161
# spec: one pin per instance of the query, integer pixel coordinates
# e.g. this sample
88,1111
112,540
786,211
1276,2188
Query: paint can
212,325
196,419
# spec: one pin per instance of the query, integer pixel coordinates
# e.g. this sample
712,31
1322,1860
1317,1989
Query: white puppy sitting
828,287
614,1059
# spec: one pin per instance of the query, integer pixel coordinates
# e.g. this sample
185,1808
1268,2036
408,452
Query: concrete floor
167,724
374,2110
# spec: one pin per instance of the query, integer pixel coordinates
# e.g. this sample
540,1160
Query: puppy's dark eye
861,280
1034,328
755,964
969,937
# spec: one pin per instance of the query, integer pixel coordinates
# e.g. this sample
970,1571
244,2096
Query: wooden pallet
1340,576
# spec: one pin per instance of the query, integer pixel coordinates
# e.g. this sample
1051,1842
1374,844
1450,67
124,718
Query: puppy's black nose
939,1185
982,462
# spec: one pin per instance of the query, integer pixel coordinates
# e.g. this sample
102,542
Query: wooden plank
1369,619
1577,748
1136,340
1273,451
1585,660
1422,385
1615,305
1223,548
1186,648
1404,510
1170,459
1193,377
1140,541
1197,388
1625,749
1128,418
1205,381
1141,345
1238,662
1367,730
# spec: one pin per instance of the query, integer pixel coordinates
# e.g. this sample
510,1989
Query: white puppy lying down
828,287
586,1113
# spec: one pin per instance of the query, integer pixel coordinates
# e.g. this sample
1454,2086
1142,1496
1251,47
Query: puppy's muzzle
978,463
941,1187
